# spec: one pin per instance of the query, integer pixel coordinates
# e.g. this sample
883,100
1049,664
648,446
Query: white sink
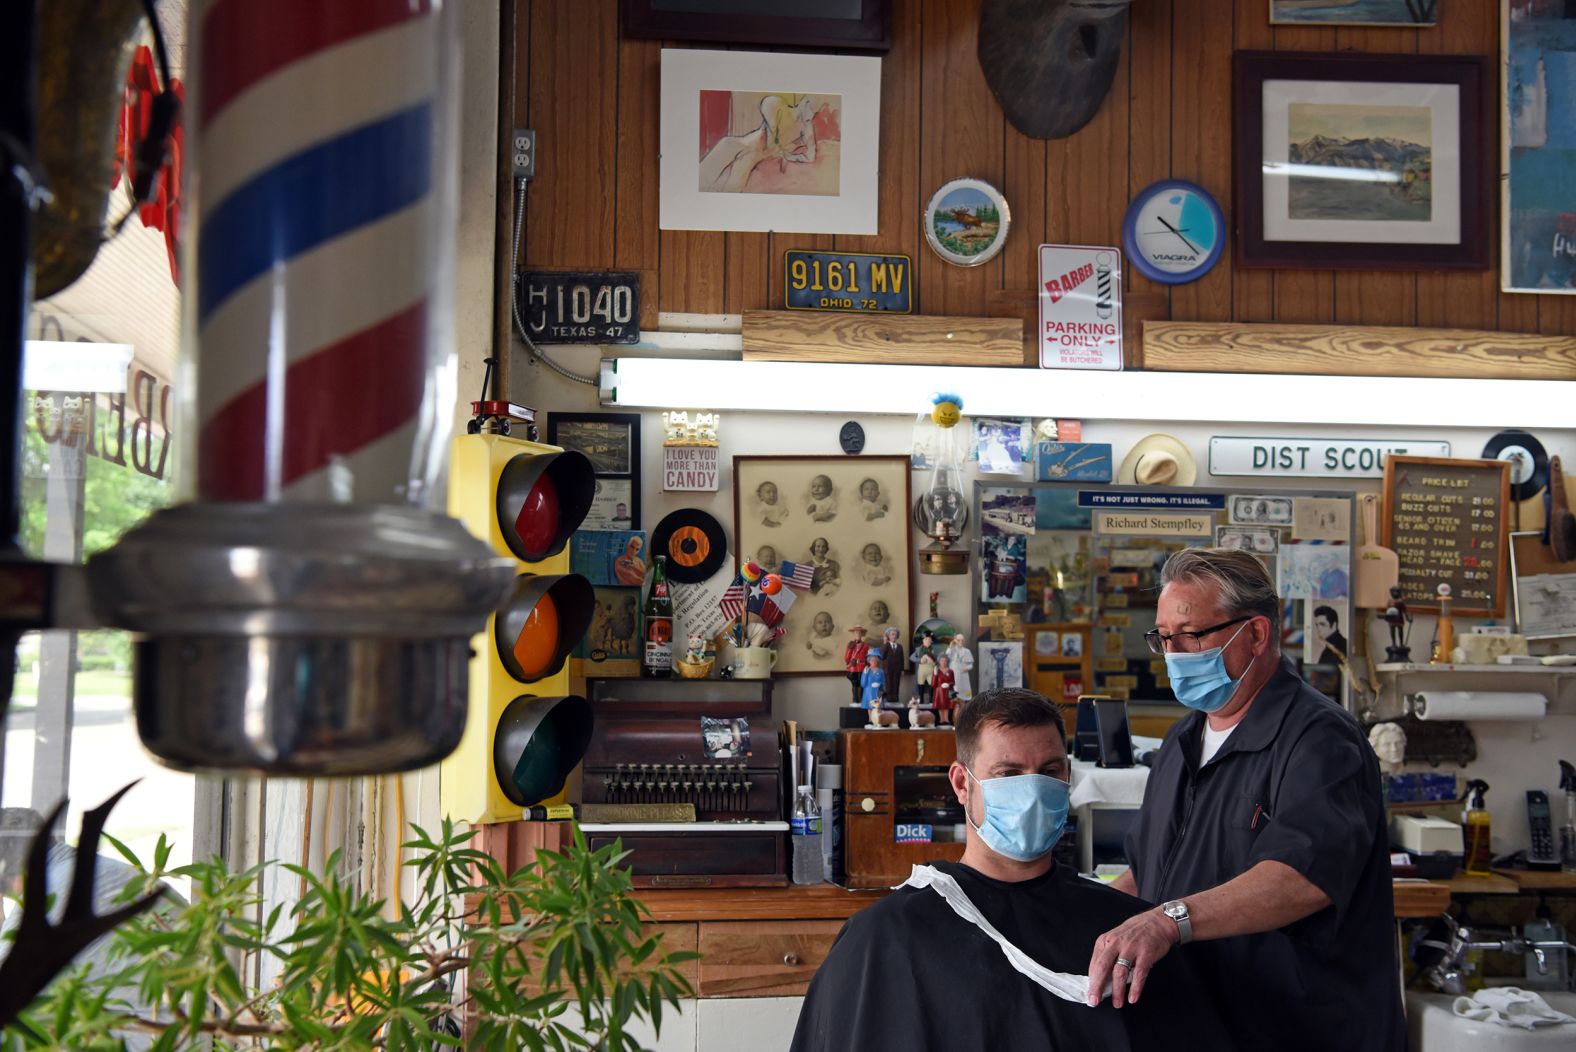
1433,1027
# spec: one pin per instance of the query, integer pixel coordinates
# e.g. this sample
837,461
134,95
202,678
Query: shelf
1511,670
1540,879
1461,884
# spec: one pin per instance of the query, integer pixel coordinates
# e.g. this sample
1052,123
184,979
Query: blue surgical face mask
1024,814
1200,681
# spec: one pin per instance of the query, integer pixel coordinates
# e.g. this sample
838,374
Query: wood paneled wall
592,96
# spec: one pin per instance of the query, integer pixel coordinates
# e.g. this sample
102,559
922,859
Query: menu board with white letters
1445,521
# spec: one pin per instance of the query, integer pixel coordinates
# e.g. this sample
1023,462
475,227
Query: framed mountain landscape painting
1360,161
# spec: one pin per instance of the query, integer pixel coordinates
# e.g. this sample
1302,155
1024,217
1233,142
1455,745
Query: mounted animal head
1050,62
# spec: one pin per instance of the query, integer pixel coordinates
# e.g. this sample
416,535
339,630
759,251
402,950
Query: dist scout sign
1080,307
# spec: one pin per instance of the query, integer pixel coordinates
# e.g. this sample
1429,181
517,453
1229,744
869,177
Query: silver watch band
1178,912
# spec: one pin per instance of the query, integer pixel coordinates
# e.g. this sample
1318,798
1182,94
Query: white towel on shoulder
1509,1006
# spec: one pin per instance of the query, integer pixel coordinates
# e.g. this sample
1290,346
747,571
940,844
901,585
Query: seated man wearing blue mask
1262,832
987,953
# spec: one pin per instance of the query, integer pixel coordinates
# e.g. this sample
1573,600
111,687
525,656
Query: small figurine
941,685
872,682
924,659
893,666
854,655
962,660
1399,619
697,648
918,717
1447,628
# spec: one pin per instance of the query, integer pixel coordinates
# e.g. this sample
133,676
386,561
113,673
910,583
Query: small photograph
1000,665
873,504
1413,13
766,558
1314,571
1329,647
1047,644
875,568
609,557
725,739
1321,519
614,620
1007,511
1004,569
1259,541
821,499
877,618
1251,510
826,572
1072,645
767,506
608,444
822,638
1003,446
610,506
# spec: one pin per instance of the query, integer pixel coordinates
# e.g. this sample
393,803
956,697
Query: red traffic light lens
537,522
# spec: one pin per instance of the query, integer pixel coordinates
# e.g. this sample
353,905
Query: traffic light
526,732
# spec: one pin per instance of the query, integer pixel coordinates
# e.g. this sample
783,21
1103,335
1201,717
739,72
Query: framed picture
1536,159
966,221
848,519
1413,13
862,24
612,442
768,141
1545,589
1360,161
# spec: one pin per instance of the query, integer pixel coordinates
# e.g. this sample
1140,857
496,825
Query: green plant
563,933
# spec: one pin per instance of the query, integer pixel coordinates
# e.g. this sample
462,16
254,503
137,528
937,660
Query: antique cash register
686,773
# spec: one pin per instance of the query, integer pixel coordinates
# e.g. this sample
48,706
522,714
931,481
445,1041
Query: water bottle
806,826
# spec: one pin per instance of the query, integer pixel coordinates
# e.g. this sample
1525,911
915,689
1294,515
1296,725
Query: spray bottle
1568,828
1475,831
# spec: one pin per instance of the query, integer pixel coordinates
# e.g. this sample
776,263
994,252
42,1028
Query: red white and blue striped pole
323,258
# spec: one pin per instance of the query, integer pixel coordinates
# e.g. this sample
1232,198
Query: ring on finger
1123,962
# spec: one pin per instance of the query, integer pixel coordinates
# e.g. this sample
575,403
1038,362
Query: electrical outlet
522,153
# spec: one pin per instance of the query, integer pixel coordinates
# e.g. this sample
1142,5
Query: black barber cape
908,975
1295,783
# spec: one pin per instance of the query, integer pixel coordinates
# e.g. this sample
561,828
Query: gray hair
1239,580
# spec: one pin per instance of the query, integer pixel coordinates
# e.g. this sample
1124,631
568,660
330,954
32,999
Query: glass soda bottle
656,627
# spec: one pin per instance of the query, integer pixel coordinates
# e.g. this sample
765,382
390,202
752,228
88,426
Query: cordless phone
1541,855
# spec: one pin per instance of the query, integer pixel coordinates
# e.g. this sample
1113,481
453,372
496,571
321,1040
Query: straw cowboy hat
1158,460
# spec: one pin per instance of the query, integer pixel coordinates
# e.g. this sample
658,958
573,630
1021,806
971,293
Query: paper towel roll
1477,705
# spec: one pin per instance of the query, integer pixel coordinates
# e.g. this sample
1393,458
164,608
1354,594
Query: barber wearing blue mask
1262,832
989,952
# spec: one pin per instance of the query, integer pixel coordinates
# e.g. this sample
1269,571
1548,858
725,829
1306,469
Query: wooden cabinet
894,778
762,958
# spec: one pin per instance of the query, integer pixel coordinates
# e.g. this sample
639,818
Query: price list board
1445,521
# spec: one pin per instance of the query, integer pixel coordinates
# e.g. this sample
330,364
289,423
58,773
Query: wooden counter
809,902
1540,879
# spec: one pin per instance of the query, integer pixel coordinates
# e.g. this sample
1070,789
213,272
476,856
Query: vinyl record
694,543
1529,464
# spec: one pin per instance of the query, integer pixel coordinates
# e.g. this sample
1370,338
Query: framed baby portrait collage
847,519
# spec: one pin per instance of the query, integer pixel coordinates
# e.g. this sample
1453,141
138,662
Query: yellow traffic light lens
536,647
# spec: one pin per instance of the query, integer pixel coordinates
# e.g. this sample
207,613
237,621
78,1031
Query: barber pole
321,285
312,612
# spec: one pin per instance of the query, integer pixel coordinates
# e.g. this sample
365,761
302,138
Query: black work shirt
1295,783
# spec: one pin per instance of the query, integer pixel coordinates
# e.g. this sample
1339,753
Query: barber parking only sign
1080,307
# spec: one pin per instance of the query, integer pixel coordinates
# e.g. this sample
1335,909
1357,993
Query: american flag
732,602
797,575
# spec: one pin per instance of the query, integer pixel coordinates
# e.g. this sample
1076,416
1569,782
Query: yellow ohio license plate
847,281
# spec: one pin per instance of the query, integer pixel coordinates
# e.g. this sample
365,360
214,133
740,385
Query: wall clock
1174,232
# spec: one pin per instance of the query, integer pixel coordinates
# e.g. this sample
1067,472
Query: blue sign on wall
848,281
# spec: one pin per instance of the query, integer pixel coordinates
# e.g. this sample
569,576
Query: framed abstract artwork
848,519
1360,161
1537,148
856,24
779,142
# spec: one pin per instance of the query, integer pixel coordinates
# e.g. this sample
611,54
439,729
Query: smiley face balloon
948,411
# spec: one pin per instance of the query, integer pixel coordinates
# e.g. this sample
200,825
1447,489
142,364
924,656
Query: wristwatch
1176,909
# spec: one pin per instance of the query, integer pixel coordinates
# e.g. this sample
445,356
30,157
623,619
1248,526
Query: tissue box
1424,836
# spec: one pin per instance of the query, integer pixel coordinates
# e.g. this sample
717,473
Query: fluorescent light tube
67,365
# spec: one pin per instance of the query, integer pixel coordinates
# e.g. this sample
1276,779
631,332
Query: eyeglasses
1187,642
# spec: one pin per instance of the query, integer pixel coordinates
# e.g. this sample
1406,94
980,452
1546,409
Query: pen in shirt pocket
1258,813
